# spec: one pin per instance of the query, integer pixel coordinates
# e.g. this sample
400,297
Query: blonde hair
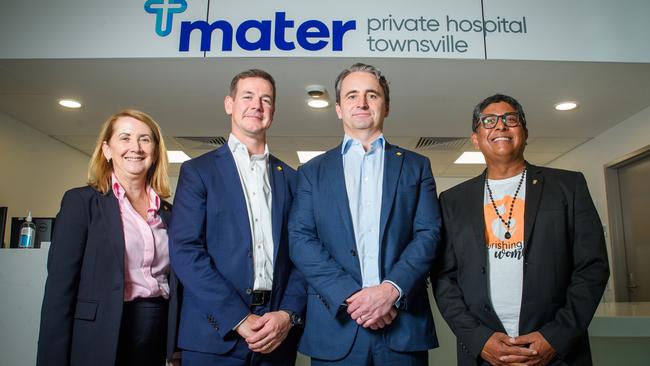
100,170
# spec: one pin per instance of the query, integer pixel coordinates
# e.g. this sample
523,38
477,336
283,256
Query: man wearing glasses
524,263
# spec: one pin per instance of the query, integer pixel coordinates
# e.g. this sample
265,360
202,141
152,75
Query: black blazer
84,291
565,265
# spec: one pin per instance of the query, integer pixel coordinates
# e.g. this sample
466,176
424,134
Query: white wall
35,170
590,158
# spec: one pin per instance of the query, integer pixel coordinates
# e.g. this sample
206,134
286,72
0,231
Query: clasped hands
529,349
373,307
265,333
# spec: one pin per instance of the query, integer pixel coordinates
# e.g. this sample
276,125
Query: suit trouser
241,355
143,333
369,348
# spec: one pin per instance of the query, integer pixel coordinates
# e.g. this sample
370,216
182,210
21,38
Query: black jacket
84,291
565,265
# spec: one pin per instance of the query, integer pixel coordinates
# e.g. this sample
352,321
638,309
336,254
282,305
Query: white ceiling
429,98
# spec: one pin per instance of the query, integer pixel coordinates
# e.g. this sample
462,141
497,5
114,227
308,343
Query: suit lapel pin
399,153
279,168
534,181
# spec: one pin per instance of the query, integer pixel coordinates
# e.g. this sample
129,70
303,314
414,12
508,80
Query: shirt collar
120,193
349,141
235,145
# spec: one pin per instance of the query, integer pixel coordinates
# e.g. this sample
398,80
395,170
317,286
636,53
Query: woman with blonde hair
109,292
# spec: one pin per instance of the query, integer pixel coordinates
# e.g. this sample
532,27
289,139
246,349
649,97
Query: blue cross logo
164,10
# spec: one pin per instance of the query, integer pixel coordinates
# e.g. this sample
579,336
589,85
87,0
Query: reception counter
620,334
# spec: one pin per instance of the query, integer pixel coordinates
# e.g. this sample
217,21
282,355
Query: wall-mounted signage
578,30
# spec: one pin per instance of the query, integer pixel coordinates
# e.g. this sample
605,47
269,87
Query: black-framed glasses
510,119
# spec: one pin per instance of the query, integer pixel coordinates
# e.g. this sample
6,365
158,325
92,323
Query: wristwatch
294,319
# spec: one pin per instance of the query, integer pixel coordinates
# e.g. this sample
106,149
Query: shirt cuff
240,322
398,290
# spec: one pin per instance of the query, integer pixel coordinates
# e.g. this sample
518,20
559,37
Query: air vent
440,143
199,142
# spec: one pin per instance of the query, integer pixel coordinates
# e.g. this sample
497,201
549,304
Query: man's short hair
252,73
497,98
362,68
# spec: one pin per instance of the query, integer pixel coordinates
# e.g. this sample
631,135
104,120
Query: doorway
628,196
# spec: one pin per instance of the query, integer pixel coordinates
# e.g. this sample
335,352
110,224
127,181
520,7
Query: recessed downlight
318,97
318,103
566,106
69,103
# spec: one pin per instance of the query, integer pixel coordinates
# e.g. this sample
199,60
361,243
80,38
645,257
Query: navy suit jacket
323,248
565,265
84,291
211,250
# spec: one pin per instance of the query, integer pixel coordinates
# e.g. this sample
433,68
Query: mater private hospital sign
379,33
576,30
579,30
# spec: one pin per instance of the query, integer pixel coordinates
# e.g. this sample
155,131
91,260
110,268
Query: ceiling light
177,156
471,157
305,156
69,103
318,103
566,106
318,97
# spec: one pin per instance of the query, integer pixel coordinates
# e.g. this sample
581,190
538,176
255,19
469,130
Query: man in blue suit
364,229
229,242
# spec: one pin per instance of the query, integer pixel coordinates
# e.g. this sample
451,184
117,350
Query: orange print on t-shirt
495,229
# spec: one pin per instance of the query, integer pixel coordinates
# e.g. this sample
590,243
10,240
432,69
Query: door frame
615,213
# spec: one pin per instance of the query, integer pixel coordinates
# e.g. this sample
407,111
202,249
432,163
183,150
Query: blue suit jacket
323,248
211,248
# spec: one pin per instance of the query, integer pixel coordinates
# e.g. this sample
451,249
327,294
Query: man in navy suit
229,242
364,229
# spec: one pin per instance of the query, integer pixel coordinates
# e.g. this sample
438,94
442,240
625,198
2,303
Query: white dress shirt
254,175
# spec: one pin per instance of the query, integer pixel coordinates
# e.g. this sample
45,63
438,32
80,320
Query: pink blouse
146,252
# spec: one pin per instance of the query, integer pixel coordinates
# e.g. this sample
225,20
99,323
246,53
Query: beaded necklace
512,204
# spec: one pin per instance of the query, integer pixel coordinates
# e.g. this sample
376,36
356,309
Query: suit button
486,308
353,252
249,291
483,270
250,255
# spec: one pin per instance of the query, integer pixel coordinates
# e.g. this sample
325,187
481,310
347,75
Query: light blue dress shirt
364,177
